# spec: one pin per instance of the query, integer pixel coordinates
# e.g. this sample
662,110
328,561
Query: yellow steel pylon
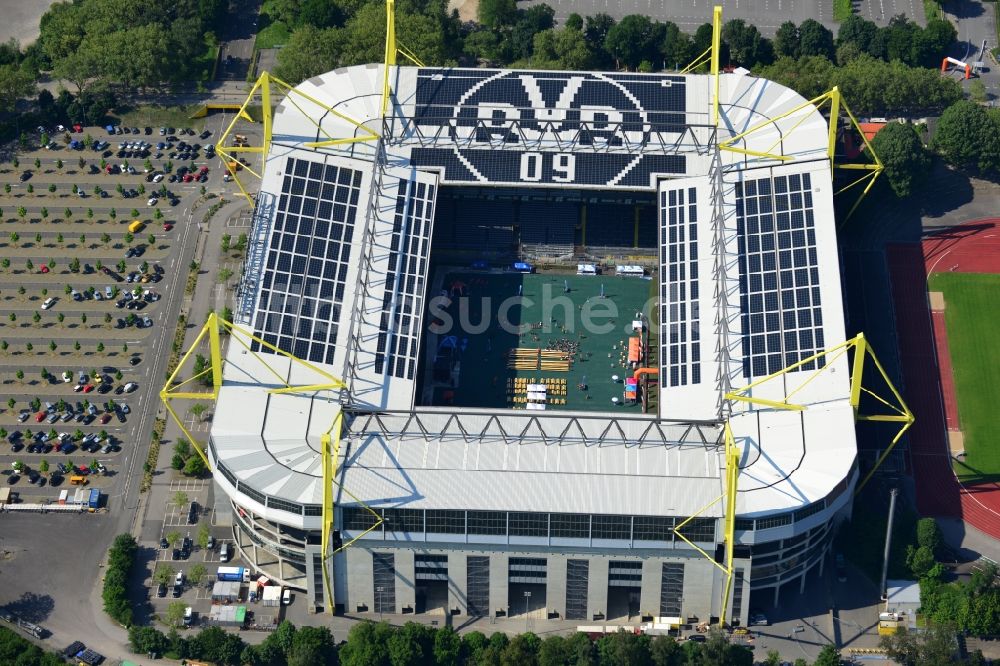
896,412
712,54
330,440
267,85
263,86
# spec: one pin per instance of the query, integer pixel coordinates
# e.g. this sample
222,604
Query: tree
632,40
224,275
497,13
195,466
665,651
936,646
367,645
623,648
203,534
967,136
312,645
816,39
147,640
906,162
15,82
197,573
43,466
164,574
173,538
929,534
100,347
52,345
786,40
447,647
828,656
175,612
521,650
180,498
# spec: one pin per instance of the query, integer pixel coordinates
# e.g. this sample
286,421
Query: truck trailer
238,574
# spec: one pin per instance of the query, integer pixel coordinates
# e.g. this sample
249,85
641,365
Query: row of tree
869,63
972,607
382,644
19,651
128,43
967,137
121,559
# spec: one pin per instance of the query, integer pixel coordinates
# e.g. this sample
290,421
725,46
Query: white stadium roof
780,298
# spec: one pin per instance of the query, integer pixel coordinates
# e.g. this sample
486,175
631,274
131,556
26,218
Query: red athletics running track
972,247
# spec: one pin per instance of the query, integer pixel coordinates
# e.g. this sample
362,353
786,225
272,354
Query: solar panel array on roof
780,304
680,341
399,329
566,113
305,273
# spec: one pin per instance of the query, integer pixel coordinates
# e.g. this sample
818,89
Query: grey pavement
974,22
66,599
20,19
881,12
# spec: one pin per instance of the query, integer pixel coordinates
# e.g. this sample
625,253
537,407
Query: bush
842,9
121,557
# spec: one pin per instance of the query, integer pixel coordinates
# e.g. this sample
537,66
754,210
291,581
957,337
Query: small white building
903,600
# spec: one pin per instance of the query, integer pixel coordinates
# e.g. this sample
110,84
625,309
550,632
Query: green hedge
121,557
842,9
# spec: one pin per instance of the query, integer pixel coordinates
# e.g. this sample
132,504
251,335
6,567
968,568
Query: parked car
48,303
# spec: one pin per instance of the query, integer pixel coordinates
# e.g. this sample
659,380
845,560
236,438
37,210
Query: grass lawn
971,318
276,34
158,116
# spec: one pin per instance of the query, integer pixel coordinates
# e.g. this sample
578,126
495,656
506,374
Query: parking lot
180,541
92,228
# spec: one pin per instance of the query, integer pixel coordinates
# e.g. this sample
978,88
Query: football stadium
526,342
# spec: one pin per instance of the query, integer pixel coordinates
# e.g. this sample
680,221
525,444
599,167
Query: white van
224,552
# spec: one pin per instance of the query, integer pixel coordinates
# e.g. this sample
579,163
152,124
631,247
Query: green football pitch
590,315
971,316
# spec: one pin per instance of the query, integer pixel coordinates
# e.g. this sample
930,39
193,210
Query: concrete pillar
649,595
406,577
499,583
699,589
360,580
777,588
458,594
555,585
802,583
597,586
